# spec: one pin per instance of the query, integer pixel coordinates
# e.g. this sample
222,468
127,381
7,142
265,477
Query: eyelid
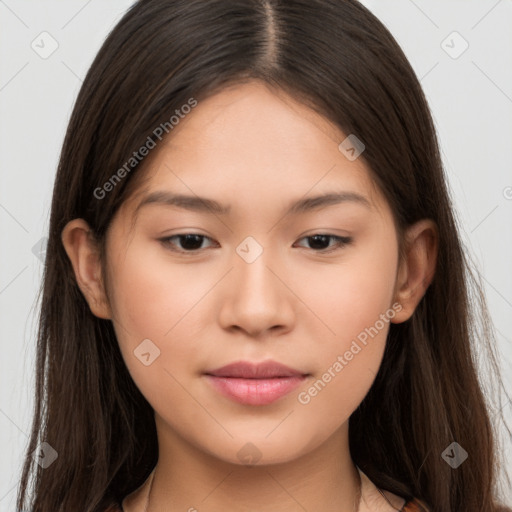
167,244
341,242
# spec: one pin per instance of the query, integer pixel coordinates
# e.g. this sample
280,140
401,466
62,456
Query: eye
190,242
320,242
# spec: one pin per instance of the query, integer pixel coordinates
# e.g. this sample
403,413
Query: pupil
321,238
192,241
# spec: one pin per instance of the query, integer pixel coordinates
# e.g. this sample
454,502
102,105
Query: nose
256,298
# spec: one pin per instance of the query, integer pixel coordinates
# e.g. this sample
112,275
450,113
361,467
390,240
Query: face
311,287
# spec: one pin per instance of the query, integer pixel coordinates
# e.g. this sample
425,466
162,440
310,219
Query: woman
263,370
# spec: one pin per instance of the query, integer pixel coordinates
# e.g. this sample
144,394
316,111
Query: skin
257,150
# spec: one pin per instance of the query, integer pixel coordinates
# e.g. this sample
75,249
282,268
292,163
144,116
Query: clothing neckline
373,499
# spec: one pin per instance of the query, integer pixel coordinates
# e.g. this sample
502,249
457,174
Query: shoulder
374,499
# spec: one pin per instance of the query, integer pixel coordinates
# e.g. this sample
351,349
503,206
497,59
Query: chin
259,450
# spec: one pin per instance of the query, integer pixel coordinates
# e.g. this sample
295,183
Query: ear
81,248
417,269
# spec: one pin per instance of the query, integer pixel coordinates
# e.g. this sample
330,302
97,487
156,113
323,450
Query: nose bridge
257,299
254,279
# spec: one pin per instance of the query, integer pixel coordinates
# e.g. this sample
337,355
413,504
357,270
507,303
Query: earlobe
418,268
82,250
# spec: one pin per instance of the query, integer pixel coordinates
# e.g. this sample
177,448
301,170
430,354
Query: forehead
252,145
251,110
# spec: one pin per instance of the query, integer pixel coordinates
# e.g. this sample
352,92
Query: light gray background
470,97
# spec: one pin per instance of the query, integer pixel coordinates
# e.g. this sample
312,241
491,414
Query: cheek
154,300
354,300
152,295
331,397
349,295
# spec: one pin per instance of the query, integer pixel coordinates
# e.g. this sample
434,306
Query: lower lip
255,391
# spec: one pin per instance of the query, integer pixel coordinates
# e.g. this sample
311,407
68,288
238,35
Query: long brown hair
336,57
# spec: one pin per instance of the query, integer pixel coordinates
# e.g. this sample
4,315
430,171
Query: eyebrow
206,205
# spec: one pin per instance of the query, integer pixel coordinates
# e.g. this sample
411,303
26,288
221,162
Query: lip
255,383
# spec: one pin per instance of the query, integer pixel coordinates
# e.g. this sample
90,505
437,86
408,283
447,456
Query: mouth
255,384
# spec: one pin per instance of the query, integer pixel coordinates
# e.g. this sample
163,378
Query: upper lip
248,370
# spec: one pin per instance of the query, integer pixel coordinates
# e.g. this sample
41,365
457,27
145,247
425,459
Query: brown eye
189,242
320,242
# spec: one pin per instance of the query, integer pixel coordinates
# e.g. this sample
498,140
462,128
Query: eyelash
342,241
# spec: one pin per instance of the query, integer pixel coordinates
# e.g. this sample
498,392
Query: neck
186,478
